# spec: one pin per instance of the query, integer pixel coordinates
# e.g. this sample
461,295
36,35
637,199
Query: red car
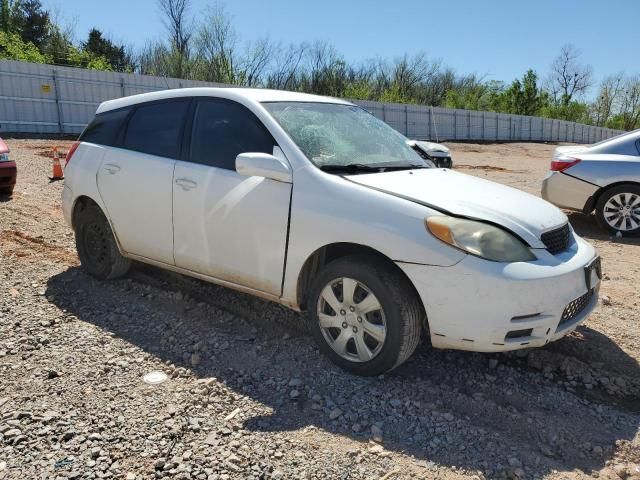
8,170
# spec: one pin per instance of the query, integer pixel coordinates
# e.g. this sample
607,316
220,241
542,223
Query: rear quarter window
106,128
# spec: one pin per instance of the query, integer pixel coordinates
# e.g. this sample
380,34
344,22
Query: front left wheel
364,315
96,245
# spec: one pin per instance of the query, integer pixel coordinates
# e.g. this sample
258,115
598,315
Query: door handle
186,184
112,168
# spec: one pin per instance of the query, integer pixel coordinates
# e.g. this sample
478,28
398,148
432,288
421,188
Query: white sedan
314,203
437,153
603,177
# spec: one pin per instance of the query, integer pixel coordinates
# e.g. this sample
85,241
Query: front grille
575,307
556,240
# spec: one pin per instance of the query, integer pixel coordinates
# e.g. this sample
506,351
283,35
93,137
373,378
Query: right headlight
478,238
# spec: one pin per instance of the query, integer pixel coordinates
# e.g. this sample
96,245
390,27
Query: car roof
241,95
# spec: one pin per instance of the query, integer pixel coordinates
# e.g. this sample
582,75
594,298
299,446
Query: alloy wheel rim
351,319
622,211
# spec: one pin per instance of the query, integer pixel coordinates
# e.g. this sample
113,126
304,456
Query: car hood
524,214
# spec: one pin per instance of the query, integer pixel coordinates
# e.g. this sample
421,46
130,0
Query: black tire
96,245
402,308
6,191
631,191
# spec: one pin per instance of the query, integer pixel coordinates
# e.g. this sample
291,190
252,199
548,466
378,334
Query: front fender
327,209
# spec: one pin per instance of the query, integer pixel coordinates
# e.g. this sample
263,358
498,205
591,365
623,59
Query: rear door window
156,128
224,129
106,128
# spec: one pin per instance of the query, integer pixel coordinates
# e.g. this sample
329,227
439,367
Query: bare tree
255,62
569,78
325,72
414,77
630,103
410,72
608,96
176,21
153,59
284,70
435,92
217,44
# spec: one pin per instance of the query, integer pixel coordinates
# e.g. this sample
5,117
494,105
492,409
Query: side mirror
263,165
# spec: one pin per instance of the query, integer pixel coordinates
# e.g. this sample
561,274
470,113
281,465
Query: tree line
210,49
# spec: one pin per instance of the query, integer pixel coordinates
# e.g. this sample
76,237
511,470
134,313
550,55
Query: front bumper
567,192
486,306
8,174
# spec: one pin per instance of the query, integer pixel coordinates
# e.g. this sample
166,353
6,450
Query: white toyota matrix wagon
314,203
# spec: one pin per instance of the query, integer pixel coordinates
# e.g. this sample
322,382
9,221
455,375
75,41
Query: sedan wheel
351,319
622,211
618,209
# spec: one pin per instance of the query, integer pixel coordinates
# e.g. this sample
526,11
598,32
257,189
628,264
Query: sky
497,39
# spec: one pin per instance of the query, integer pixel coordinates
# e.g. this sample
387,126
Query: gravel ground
249,396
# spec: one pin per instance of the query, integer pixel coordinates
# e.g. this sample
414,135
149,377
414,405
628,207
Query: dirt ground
249,396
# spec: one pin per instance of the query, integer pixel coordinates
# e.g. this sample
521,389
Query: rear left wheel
96,245
618,209
364,315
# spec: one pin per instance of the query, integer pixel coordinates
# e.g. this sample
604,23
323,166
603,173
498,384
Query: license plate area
593,273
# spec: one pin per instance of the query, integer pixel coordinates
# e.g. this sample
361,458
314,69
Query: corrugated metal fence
36,98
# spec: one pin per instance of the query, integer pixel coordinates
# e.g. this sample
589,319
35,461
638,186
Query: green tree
58,46
530,98
99,46
32,21
4,16
7,15
394,94
469,93
574,111
358,90
523,97
13,48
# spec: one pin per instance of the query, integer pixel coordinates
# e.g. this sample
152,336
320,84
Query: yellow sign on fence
45,88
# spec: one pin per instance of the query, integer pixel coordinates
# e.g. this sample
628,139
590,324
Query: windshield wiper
351,168
404,167
362,167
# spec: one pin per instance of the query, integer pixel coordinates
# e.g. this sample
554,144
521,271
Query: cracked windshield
335,136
